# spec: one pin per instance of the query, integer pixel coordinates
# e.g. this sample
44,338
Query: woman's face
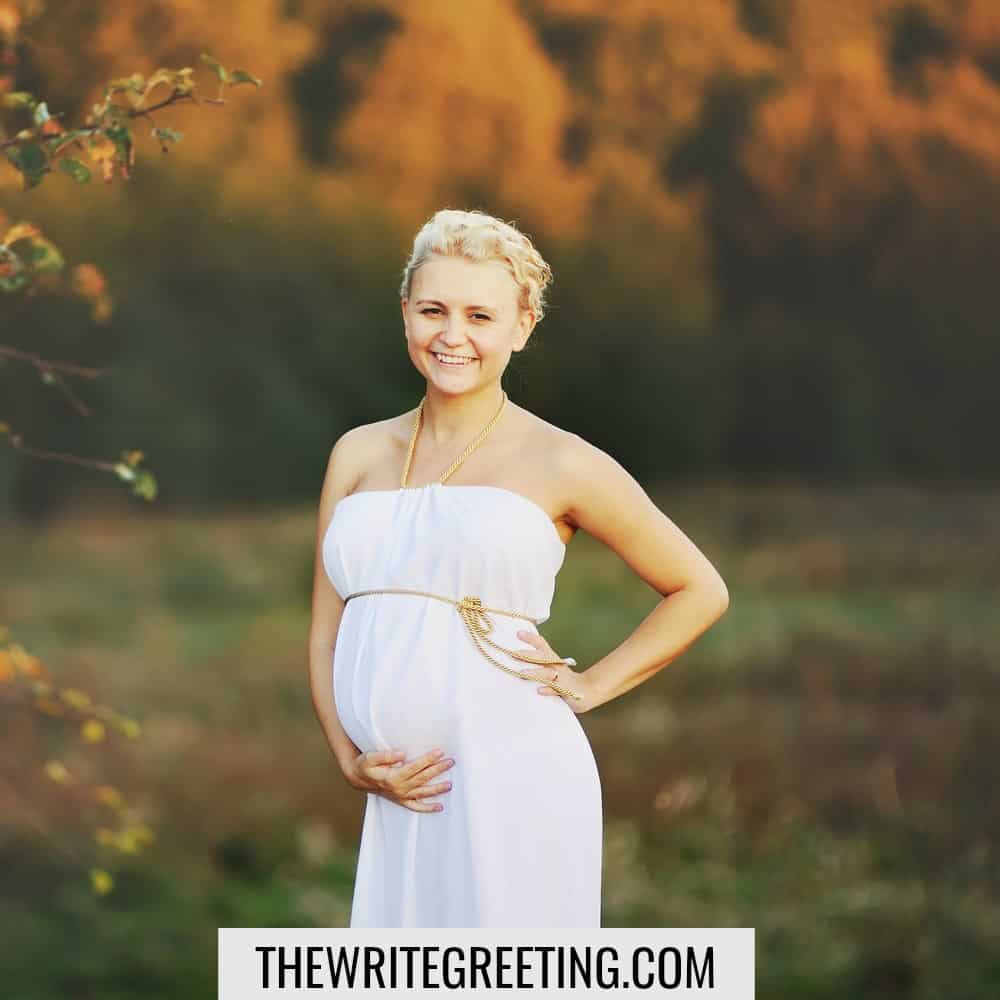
462,309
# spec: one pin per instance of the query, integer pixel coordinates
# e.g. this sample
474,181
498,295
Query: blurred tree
795,204
30,264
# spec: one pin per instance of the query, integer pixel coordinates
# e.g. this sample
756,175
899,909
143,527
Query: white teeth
448,359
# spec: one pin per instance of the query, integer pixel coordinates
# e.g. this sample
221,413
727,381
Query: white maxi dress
519,841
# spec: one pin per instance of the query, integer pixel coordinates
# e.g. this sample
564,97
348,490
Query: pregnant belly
410,678
397,680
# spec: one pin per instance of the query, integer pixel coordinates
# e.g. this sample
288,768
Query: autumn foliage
31,264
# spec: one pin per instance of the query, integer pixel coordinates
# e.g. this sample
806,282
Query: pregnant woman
440,535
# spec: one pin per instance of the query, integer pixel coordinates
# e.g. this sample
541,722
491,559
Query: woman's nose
453,334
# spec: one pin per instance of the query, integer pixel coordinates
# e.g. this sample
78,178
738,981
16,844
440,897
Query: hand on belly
409,783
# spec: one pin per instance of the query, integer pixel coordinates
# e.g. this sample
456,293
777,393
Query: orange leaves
108,796
27,675
118,827
88,281
179,80
24,266
228,77
844,134
28,261
14,661
23,662
468,97
89,284
20,231
102,151
136,88
106,134
10,21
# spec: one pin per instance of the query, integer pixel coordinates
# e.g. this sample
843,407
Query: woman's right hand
407,784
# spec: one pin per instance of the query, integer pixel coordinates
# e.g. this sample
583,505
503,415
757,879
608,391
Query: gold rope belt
479,625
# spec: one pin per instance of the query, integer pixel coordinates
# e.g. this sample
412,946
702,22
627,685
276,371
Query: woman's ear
526,324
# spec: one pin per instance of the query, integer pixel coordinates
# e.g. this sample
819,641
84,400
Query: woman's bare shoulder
378,431
540,435
363,446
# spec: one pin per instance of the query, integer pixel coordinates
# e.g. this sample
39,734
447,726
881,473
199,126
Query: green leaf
145,486
164,134
242,76
45,256
143,482
15,282
133,84
216,66
19,277
18,99
184,82
32,163
79,171
32,157
122,138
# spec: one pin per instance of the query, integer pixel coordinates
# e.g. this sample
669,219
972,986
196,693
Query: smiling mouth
453,360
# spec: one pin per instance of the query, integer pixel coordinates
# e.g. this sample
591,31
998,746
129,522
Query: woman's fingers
422,777
407,783
435,769
534,639
414,767
426,791
539,644
415,799
421,807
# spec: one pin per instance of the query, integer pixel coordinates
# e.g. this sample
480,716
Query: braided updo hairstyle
477,236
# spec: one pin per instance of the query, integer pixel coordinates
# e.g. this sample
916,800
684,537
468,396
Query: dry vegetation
818,766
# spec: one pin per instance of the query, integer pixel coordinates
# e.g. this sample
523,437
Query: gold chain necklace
418,421
473,612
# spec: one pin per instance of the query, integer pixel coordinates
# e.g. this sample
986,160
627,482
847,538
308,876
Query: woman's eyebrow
437,302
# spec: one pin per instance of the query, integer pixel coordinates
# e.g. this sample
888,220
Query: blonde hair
477,236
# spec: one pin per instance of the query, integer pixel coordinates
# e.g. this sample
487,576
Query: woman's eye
434,309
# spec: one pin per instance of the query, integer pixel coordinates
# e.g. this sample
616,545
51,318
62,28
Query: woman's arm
327,609
608,503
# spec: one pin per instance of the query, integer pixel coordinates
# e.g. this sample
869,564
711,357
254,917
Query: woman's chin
454,381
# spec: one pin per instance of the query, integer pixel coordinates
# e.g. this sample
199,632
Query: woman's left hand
564,675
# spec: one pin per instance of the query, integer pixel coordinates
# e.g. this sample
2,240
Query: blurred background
772,225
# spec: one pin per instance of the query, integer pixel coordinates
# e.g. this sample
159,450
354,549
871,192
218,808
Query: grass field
819,766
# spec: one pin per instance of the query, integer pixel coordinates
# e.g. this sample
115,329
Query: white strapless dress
519,841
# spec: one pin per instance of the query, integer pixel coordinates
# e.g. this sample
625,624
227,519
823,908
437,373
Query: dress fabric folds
519,841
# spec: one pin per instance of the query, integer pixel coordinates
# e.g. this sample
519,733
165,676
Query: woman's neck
448,419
